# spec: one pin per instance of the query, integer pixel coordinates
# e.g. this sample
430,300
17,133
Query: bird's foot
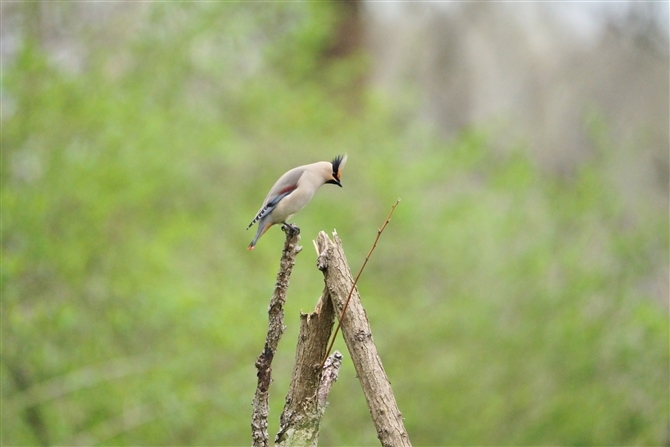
287,227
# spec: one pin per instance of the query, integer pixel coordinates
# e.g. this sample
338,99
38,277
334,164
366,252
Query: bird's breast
291,204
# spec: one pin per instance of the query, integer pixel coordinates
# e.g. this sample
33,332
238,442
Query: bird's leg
290,227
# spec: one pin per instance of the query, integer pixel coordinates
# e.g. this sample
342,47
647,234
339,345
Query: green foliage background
508,305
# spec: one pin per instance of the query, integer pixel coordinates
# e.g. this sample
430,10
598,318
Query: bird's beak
335,181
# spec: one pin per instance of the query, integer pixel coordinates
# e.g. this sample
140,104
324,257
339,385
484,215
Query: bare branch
358,338
329,375
259,417
360,271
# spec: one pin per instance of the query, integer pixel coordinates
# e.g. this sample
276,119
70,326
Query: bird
293,191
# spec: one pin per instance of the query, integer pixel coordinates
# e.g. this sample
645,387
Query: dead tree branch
358,338
360,271
300,420
259,417
329,374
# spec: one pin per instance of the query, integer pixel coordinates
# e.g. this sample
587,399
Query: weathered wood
259,417
358,338
303,410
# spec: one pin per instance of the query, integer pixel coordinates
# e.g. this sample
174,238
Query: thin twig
353,286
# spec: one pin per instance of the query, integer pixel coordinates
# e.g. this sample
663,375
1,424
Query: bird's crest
338,165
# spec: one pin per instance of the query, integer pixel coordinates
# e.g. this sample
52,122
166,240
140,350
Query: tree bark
306,398
358,338
259,417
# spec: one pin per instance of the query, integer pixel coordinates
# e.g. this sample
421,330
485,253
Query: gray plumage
293,191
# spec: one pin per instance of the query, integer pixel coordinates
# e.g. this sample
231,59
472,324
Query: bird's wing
271,205
286,184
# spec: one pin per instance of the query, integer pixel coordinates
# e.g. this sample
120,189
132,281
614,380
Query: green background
507,303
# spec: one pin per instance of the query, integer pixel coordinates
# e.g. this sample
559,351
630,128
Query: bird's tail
261,231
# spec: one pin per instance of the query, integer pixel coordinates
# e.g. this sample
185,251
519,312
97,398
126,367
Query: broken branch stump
306,398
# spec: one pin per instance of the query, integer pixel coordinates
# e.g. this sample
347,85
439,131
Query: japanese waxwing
293,191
